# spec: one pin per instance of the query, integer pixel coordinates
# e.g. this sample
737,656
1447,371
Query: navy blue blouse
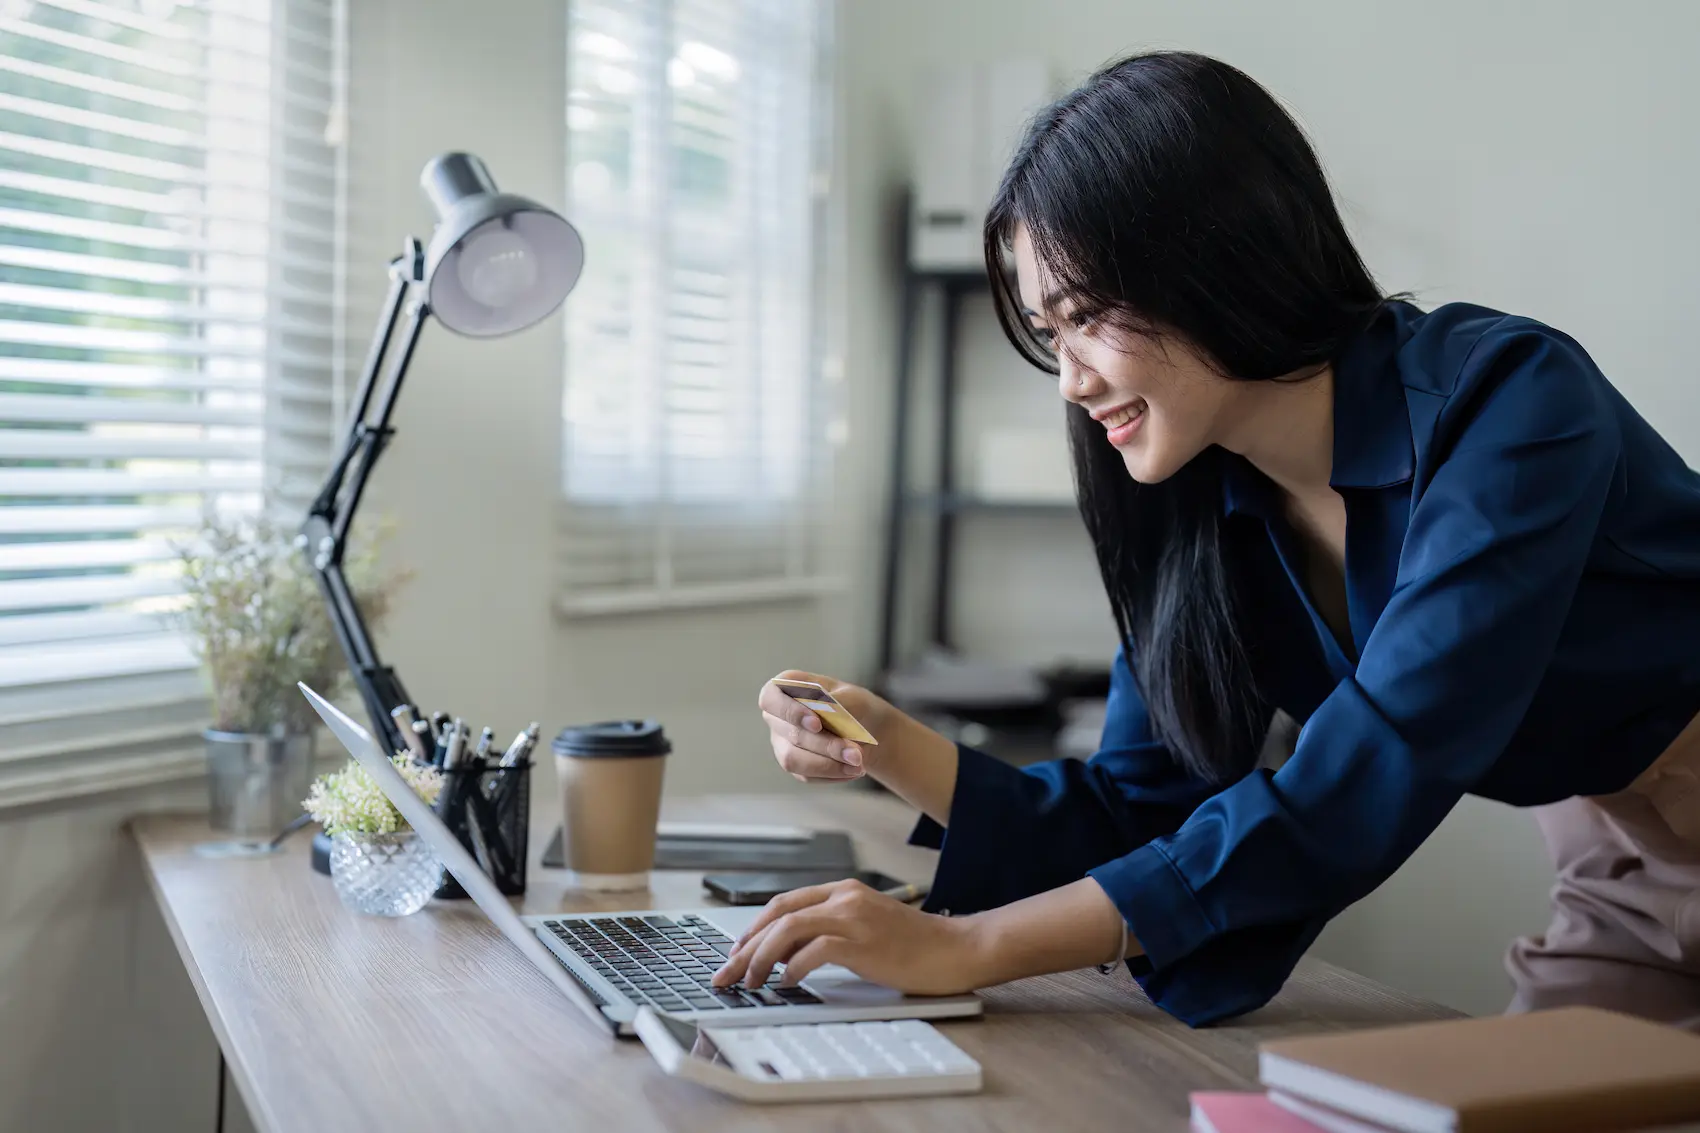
1523,583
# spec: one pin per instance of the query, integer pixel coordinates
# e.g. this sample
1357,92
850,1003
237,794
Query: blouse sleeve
1015,832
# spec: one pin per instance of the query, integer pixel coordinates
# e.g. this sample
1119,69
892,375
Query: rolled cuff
1160,909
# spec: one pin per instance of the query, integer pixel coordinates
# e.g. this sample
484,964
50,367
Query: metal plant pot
255,782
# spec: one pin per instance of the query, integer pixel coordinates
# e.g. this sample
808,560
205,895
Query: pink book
1225,1112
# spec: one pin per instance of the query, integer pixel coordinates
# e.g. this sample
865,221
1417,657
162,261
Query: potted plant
254,616
379,864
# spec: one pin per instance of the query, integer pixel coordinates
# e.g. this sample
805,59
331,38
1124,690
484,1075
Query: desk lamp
496,264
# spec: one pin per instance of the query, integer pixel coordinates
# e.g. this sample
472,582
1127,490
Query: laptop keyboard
666,963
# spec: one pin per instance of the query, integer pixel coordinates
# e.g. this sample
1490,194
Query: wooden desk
333,1021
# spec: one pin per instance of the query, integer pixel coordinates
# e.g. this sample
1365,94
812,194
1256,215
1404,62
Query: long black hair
1171,195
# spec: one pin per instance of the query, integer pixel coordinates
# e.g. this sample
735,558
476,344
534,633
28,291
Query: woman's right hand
804,747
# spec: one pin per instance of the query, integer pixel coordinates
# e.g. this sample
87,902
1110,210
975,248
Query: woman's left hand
875,936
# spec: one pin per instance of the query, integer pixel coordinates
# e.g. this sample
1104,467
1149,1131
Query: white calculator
799,1062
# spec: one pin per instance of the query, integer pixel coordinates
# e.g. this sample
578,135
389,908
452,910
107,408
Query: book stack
1572,1070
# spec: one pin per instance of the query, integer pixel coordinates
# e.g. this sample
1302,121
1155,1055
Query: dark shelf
946,502
959,504
969,278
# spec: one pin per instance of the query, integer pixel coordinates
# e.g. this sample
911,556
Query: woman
1442,541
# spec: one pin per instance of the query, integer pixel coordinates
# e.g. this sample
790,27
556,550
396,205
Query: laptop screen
455,858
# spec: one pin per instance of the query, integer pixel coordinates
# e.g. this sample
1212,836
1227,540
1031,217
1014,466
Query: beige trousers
1625,930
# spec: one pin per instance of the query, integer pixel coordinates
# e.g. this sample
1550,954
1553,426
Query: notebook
1244,1113
823,849
1562,1071
1324,1119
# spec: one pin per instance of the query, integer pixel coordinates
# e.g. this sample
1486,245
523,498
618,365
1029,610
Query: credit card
834,717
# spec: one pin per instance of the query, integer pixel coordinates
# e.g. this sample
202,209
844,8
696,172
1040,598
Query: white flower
349,801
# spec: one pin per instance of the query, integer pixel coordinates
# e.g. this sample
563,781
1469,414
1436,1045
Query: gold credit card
834,717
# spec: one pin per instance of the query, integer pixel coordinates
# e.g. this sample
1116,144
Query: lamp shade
496,262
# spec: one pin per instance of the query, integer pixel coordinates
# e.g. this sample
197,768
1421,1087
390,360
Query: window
169,282
696,418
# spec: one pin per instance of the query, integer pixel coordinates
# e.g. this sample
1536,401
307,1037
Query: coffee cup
610,775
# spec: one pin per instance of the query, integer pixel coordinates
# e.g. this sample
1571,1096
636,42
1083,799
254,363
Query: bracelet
1109,969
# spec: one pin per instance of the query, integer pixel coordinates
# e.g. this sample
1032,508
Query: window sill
70,778
77,772
632,600
72,739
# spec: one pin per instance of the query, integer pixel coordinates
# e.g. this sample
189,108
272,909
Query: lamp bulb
497,266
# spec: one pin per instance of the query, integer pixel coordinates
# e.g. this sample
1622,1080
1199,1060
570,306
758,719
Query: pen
480,848
513,752
439,721
520,748
421,746
457,745
517,756
403,716
449,797
908,894
481,753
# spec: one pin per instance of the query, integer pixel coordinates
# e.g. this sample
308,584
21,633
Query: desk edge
264,1122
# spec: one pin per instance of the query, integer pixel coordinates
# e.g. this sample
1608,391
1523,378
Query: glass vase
386,875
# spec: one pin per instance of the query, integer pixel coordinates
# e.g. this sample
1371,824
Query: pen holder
489,810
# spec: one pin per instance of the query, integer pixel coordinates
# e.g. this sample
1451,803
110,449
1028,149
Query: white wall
1537,158
477,451
98,1019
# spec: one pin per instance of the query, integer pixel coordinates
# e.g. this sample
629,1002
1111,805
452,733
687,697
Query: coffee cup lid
612,738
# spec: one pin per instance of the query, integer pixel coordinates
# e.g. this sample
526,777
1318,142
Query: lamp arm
325,503
368,441
379,687
325,530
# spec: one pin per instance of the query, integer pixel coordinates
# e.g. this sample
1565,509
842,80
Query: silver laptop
610,964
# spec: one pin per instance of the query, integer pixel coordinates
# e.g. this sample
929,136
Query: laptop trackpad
732,921
844,988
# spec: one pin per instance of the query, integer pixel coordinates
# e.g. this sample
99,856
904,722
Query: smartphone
834,717
760,888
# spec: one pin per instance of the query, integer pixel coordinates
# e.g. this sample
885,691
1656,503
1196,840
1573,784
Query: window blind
170,202
696,415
